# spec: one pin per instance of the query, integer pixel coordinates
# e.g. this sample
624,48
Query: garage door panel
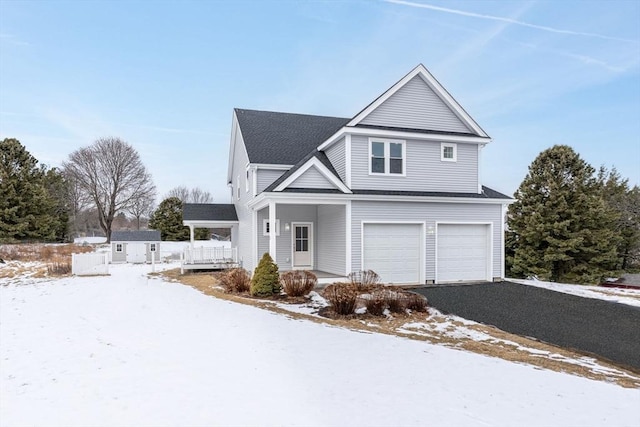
393,251
463,252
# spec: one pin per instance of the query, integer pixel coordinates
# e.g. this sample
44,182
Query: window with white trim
387,157
118,247
448,152
152,247
266,228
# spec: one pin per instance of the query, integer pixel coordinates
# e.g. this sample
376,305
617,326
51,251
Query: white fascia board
271,166
232,146
403,135
314,162
209,224
263,199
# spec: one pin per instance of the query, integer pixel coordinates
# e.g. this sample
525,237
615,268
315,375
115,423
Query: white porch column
272,230
191,235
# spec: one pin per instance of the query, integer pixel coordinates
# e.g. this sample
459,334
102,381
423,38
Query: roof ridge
288,113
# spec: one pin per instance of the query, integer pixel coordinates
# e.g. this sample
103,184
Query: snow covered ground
129,349
622,296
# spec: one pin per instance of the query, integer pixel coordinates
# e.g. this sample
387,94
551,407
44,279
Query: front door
302,237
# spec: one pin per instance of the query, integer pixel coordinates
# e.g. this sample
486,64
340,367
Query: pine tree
168,220
26,207
266,280
563,228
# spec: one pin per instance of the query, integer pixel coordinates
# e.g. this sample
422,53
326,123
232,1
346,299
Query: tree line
98,186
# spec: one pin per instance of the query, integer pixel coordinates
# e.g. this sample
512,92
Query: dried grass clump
298,283
416,302
364,280
342,297
375,304
27,252
59,266
236,281
395,300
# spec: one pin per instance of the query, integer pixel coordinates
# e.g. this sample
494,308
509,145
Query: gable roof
135,236
320,155
209,212
435,90
294,135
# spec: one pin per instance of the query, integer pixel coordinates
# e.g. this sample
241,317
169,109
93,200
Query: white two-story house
395,189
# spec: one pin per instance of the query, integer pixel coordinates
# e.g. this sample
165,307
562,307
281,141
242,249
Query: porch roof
209,215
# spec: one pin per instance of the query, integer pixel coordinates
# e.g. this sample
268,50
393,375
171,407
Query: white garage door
136,253
463,252
393,251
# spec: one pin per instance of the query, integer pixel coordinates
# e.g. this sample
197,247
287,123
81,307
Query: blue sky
165,75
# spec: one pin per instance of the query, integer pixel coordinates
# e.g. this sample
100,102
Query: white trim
502,242
348,237
478,169
273,249
209,224
423,245
313,162
254,240
387,156
265,221
439,90
347,159
444,145
489,266
271,166
254,189
262,200
247,176
310,245
402,134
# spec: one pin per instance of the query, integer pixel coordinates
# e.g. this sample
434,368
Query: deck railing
210,255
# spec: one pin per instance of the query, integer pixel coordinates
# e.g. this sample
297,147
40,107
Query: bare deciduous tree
112,175
141,206
195,195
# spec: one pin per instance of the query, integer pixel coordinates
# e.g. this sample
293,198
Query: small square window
118,247
448,152
152,247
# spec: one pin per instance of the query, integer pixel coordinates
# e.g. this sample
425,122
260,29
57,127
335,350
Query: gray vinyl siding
244,238
424,169
430,213
284,245
311,178
331,240
416,106
337,157
118,256
266,177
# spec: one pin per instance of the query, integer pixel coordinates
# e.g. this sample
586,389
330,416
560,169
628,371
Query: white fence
90,264
210,255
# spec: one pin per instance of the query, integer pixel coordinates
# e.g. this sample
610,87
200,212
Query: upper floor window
387,157
449,152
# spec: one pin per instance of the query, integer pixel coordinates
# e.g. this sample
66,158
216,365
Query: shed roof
209,212
135,236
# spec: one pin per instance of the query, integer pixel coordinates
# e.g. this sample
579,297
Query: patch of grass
31,252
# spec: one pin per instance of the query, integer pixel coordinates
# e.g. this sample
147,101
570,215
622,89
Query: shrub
236,280
59,267
395,301
375,304
265,281
416,302
342,297
364,279
298,283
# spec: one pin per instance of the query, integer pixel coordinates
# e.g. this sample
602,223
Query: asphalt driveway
604,328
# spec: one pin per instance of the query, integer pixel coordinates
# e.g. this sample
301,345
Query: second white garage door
463,252
393,251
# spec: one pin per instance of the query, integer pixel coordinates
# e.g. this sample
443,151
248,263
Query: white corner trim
430,80
348,238
347,159
314,162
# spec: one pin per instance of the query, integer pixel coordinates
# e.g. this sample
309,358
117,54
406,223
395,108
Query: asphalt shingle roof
315,153
487,193
135,236
284,138
209,212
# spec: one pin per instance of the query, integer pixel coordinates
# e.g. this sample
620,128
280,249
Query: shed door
136,252
393,251
463,252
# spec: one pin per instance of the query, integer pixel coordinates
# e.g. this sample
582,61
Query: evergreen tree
57,189
563,229
266,280
27,210
168,220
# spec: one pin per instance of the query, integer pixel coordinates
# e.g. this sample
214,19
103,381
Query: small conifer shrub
265,281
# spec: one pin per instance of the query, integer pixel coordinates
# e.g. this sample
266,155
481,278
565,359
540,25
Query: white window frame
444,145
265,223
387,156
119,247
152,247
